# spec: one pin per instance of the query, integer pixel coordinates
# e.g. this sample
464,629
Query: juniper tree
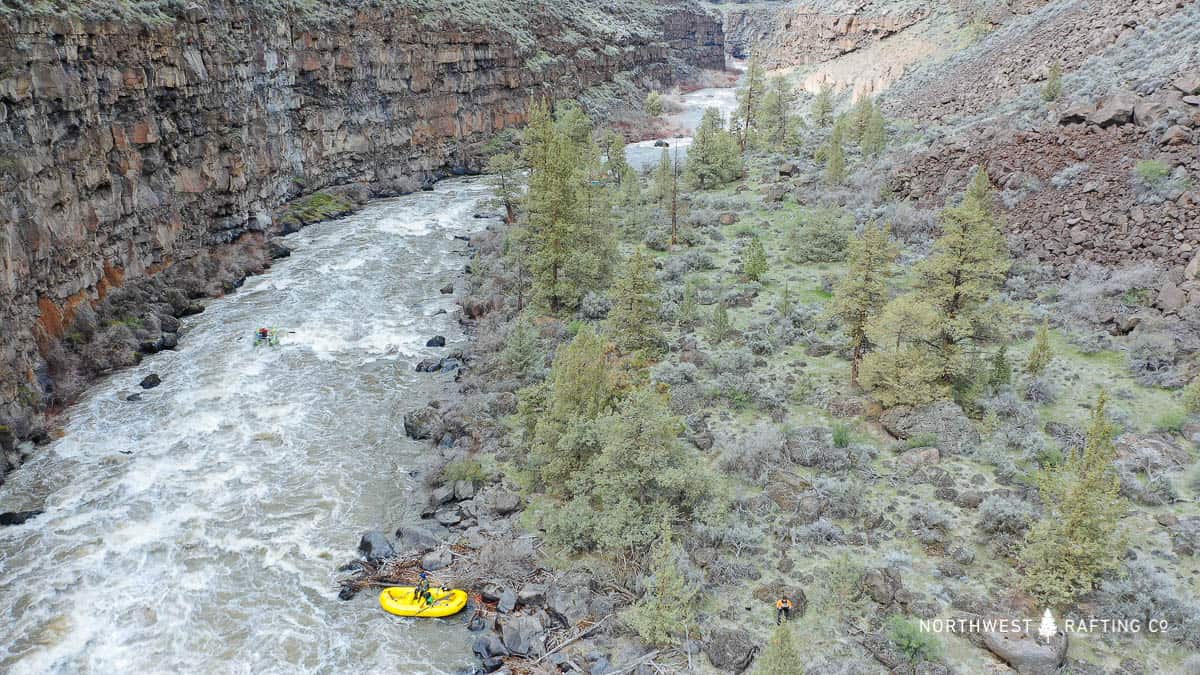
666,611
860,118
822,107
778,122
874,137
713,158
614,156
522,355
718,324
1041,354
633,319
1076,541
1000,373
505,170
745,122
861,294
755,264
903,368
835,158
782,655
689,306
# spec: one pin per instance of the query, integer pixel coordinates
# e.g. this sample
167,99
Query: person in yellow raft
421,590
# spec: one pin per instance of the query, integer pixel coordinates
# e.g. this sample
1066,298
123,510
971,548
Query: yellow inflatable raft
399,600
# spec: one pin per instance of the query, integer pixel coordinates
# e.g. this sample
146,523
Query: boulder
1026,653
488,645
277,250
1189,83
447,289
17,517
464,489
941,419
436,341
568,603
150,381
919,456
884,586
1115,110
504,502
660,143
507,602
788,169
730,650
420,536
532,595
429,365
374,545
169,340
424,423
522,634
1170,298
1148,111
439,558
1192,271
1176,135
728,218
1076,114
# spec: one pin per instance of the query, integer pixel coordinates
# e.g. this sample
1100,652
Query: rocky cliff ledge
144,164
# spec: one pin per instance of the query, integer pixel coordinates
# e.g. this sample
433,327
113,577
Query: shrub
844,499
841,435
1144,593
1041,391
1054,86
820,533
1152,171
464,469
755,454
1151,358
821,235
914,643
926,439
1004,515
1191,397
1171,421
782,656
666,611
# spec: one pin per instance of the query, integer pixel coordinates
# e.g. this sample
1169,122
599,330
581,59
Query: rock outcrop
167,151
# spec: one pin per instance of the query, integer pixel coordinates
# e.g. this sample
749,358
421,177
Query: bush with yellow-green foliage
1041,354
930,336
781,656
755,265
1191,397
667,611
1077,540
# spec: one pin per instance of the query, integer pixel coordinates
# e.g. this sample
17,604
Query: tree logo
1049,627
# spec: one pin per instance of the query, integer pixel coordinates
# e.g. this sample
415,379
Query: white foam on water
213,545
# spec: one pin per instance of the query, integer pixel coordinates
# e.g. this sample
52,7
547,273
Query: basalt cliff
145,164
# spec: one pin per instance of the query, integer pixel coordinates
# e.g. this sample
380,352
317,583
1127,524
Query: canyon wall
131,153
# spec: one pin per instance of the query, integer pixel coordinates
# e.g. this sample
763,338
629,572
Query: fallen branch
584,633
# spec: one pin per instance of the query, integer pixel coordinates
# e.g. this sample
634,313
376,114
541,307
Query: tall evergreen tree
505,170
664,178
822,107
862,293
860,118
874,137
835,158
778,121
713,158
664,614
614,156
633,319
745,122
1041,354
1076,541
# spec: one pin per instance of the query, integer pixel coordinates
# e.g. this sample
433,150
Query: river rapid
200,528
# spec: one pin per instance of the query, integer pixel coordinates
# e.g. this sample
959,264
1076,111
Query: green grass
314,208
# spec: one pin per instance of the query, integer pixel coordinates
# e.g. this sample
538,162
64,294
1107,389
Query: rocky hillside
145,157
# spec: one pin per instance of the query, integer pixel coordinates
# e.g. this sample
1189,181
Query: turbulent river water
199,529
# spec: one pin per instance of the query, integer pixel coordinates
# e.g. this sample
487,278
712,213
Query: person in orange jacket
783,610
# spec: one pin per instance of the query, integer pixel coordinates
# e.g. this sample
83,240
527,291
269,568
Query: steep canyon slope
144,160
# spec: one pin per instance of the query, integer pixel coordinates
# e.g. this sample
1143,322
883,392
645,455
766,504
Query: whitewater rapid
199,529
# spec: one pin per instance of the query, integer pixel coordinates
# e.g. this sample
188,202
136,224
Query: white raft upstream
199,529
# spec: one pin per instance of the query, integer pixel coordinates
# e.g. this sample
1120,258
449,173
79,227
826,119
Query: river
199,530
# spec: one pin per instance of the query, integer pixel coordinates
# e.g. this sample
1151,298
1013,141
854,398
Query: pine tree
785,305
663,178
782,656
1076,541
582,386
862,293
745,120
713,158
506,176
835,158
633,319
822,108
874,137
654,104
522,354
632,206
755,265
1001,370
666,612
962,278
1042,354
689,307
614,156
778,122
860,118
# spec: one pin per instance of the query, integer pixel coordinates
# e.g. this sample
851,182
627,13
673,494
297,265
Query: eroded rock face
129,151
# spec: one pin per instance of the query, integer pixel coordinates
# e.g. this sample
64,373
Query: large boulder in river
424,423
420,537
374,545
942,420
730,650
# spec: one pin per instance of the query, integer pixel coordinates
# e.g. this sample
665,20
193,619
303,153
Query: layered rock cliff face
143,166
